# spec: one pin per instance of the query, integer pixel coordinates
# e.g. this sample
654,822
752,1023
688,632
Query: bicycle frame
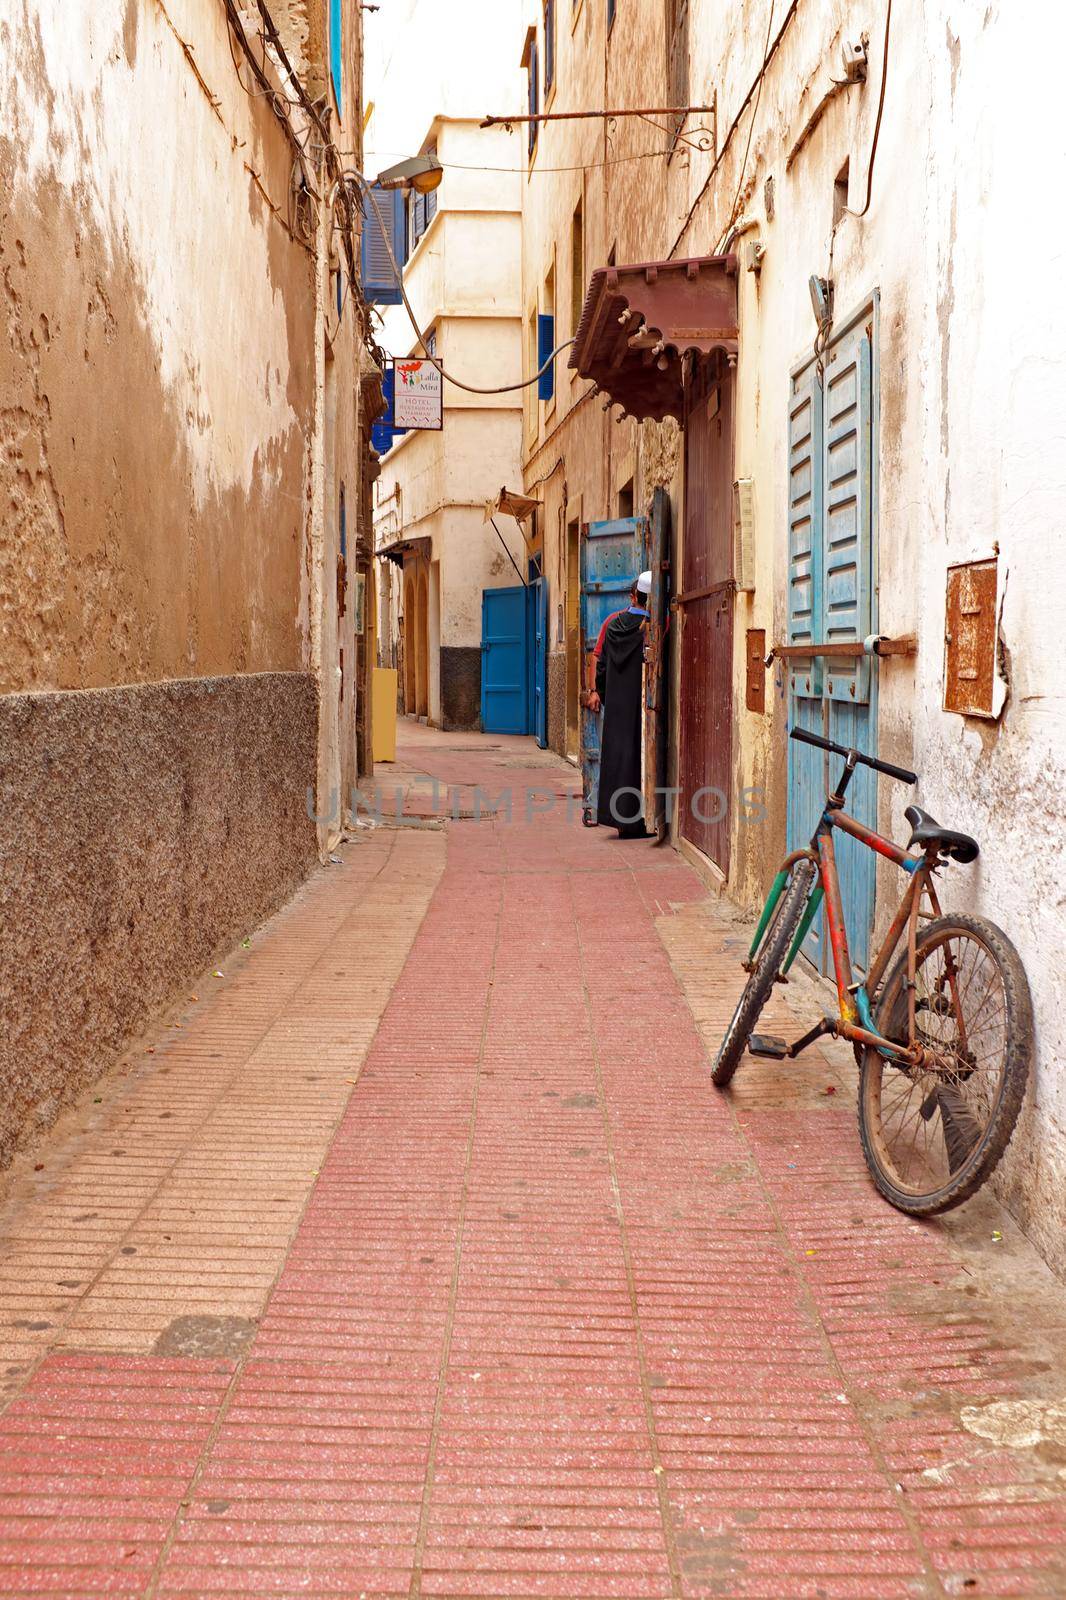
855,1019
854,999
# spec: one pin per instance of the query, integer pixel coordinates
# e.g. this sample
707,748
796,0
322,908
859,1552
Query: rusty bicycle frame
855,1020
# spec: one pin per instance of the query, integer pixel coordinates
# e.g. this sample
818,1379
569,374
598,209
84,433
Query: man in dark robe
620,690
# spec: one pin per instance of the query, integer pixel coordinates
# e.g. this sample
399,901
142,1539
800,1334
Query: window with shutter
549,45
380,282
531,62
335,19
421,209
545,346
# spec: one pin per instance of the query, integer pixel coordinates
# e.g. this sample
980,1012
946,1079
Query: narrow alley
414,1254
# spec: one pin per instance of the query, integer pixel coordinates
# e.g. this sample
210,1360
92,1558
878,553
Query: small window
546,338
577,266
335,23
530,60
611,9
343,518
531,367
421,209
430,342
625,499
840,192
549,45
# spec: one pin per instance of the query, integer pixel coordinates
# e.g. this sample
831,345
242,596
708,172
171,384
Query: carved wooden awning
640,322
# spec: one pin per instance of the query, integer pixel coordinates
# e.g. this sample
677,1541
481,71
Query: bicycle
944,1043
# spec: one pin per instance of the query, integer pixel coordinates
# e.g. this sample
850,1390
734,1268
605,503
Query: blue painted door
505,660
537,615
832,463
612,555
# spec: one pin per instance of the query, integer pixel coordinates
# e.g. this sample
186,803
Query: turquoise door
831,599
537,602
505,660
613,554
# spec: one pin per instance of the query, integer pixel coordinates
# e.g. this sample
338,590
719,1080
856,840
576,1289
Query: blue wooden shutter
846,479
545,346
804,515
380,283
534,91
335,48
384,432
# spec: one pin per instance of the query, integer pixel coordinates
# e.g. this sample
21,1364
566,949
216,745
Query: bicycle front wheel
931,1136
769,959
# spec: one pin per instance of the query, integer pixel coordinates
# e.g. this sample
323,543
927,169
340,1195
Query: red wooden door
706,689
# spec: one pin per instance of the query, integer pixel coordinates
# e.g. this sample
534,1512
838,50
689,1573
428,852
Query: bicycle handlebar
854,755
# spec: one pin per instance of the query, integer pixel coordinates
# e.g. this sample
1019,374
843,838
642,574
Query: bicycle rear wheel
767,964
932,1136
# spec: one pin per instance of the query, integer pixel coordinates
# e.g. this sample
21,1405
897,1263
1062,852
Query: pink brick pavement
557,1320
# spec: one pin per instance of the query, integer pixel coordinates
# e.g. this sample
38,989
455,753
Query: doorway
706,604
573,639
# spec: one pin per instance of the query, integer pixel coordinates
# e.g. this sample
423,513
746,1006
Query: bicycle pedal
767,1044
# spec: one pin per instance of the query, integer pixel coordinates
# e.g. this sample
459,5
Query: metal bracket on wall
847,650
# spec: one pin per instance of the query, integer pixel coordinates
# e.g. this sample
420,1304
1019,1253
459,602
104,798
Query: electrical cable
471,388
880,111
577,166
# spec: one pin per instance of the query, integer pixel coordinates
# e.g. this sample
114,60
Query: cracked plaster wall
158,705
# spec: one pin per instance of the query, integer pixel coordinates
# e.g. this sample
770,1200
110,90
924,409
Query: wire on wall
880,113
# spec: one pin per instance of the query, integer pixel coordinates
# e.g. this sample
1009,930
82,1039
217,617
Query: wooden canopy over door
706,607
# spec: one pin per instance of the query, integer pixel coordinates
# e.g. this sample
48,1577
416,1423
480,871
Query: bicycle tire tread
757,990
963,1185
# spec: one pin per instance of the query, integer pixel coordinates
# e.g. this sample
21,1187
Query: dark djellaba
619,684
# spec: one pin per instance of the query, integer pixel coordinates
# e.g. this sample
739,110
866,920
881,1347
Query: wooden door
706,606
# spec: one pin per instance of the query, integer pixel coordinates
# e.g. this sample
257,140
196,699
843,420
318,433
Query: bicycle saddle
927,831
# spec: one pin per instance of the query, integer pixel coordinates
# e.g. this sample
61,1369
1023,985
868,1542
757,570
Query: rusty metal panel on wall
970,639
755,670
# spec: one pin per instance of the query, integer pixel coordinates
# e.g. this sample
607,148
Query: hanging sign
418,393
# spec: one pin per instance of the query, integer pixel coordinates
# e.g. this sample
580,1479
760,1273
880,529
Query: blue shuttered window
384,432
832,451
545,346
380,283
336,34
421,209
549,45
533,69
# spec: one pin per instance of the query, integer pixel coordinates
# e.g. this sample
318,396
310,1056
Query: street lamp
417,172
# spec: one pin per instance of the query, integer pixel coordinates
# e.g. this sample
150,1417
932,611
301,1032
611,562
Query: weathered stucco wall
170,473
143,831
155,370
